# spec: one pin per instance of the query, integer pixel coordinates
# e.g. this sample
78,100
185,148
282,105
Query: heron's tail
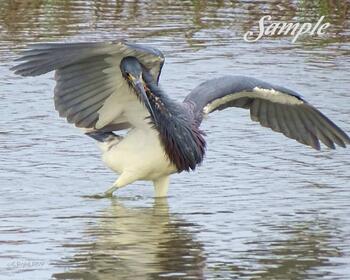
106,140
101,136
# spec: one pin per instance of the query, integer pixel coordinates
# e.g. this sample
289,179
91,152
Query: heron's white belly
141,153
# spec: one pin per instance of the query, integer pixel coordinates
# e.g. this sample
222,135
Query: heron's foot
107,194
100,195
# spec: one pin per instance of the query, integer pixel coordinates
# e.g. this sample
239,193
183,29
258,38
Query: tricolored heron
111,86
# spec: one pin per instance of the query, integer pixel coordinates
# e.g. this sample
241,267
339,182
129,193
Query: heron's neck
182,139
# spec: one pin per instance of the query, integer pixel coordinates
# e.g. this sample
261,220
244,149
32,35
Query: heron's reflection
137,243
153,243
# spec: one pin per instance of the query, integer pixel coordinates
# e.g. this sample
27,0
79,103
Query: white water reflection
135,243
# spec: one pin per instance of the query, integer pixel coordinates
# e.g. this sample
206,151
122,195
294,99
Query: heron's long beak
139,85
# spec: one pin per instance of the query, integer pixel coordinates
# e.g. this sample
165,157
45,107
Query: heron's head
133,71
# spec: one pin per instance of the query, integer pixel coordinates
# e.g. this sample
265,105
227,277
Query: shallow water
260,207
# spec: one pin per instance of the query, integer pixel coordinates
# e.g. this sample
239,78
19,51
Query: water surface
260,207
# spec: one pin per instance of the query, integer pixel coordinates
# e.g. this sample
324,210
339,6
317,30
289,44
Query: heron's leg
124,179
161,186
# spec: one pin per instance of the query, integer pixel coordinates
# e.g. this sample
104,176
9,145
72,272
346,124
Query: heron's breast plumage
141,153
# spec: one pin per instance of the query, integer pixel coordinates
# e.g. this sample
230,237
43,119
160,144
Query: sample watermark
31,265
25,264
295,29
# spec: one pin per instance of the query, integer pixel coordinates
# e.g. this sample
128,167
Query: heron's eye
130,77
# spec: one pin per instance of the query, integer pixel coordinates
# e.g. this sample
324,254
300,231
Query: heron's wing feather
45,57
275,107
90,91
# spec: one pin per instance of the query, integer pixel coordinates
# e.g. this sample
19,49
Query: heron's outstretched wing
275,107
90,90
